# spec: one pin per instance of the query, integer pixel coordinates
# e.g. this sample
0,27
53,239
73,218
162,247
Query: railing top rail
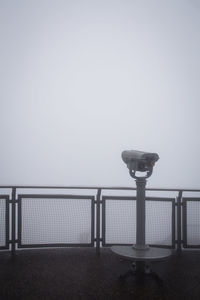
97,188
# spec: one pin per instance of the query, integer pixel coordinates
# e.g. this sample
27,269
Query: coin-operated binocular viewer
140,162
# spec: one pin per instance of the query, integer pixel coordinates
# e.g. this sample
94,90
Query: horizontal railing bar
105,197
97,187
56,196
55,245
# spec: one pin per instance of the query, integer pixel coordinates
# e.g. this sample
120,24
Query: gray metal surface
150,254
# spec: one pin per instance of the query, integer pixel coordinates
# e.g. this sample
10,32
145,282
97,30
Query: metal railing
81,216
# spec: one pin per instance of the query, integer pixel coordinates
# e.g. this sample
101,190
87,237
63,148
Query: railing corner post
13,237
179,223
98,222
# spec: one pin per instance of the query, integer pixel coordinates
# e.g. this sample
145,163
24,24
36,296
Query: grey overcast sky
83,80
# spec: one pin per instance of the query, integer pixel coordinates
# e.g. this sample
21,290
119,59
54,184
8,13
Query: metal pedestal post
141,253
140,225
140,213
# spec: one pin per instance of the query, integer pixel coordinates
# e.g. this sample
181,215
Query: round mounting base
151,254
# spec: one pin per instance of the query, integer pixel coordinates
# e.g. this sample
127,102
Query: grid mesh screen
2,222
120,219
193,222
159,222
52,221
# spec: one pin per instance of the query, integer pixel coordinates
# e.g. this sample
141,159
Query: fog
81,81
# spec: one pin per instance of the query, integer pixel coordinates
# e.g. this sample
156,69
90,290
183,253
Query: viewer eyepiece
139,161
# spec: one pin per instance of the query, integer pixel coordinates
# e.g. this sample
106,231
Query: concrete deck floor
78,273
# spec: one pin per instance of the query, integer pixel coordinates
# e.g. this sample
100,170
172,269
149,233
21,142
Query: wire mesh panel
4,222
191,222
50,220
119,220
160,222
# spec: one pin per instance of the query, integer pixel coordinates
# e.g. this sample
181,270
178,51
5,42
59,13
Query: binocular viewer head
139,161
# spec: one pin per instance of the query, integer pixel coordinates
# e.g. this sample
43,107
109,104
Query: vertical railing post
98,222
13,244
179,223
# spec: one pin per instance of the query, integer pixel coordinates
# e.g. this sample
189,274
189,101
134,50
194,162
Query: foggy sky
81,81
